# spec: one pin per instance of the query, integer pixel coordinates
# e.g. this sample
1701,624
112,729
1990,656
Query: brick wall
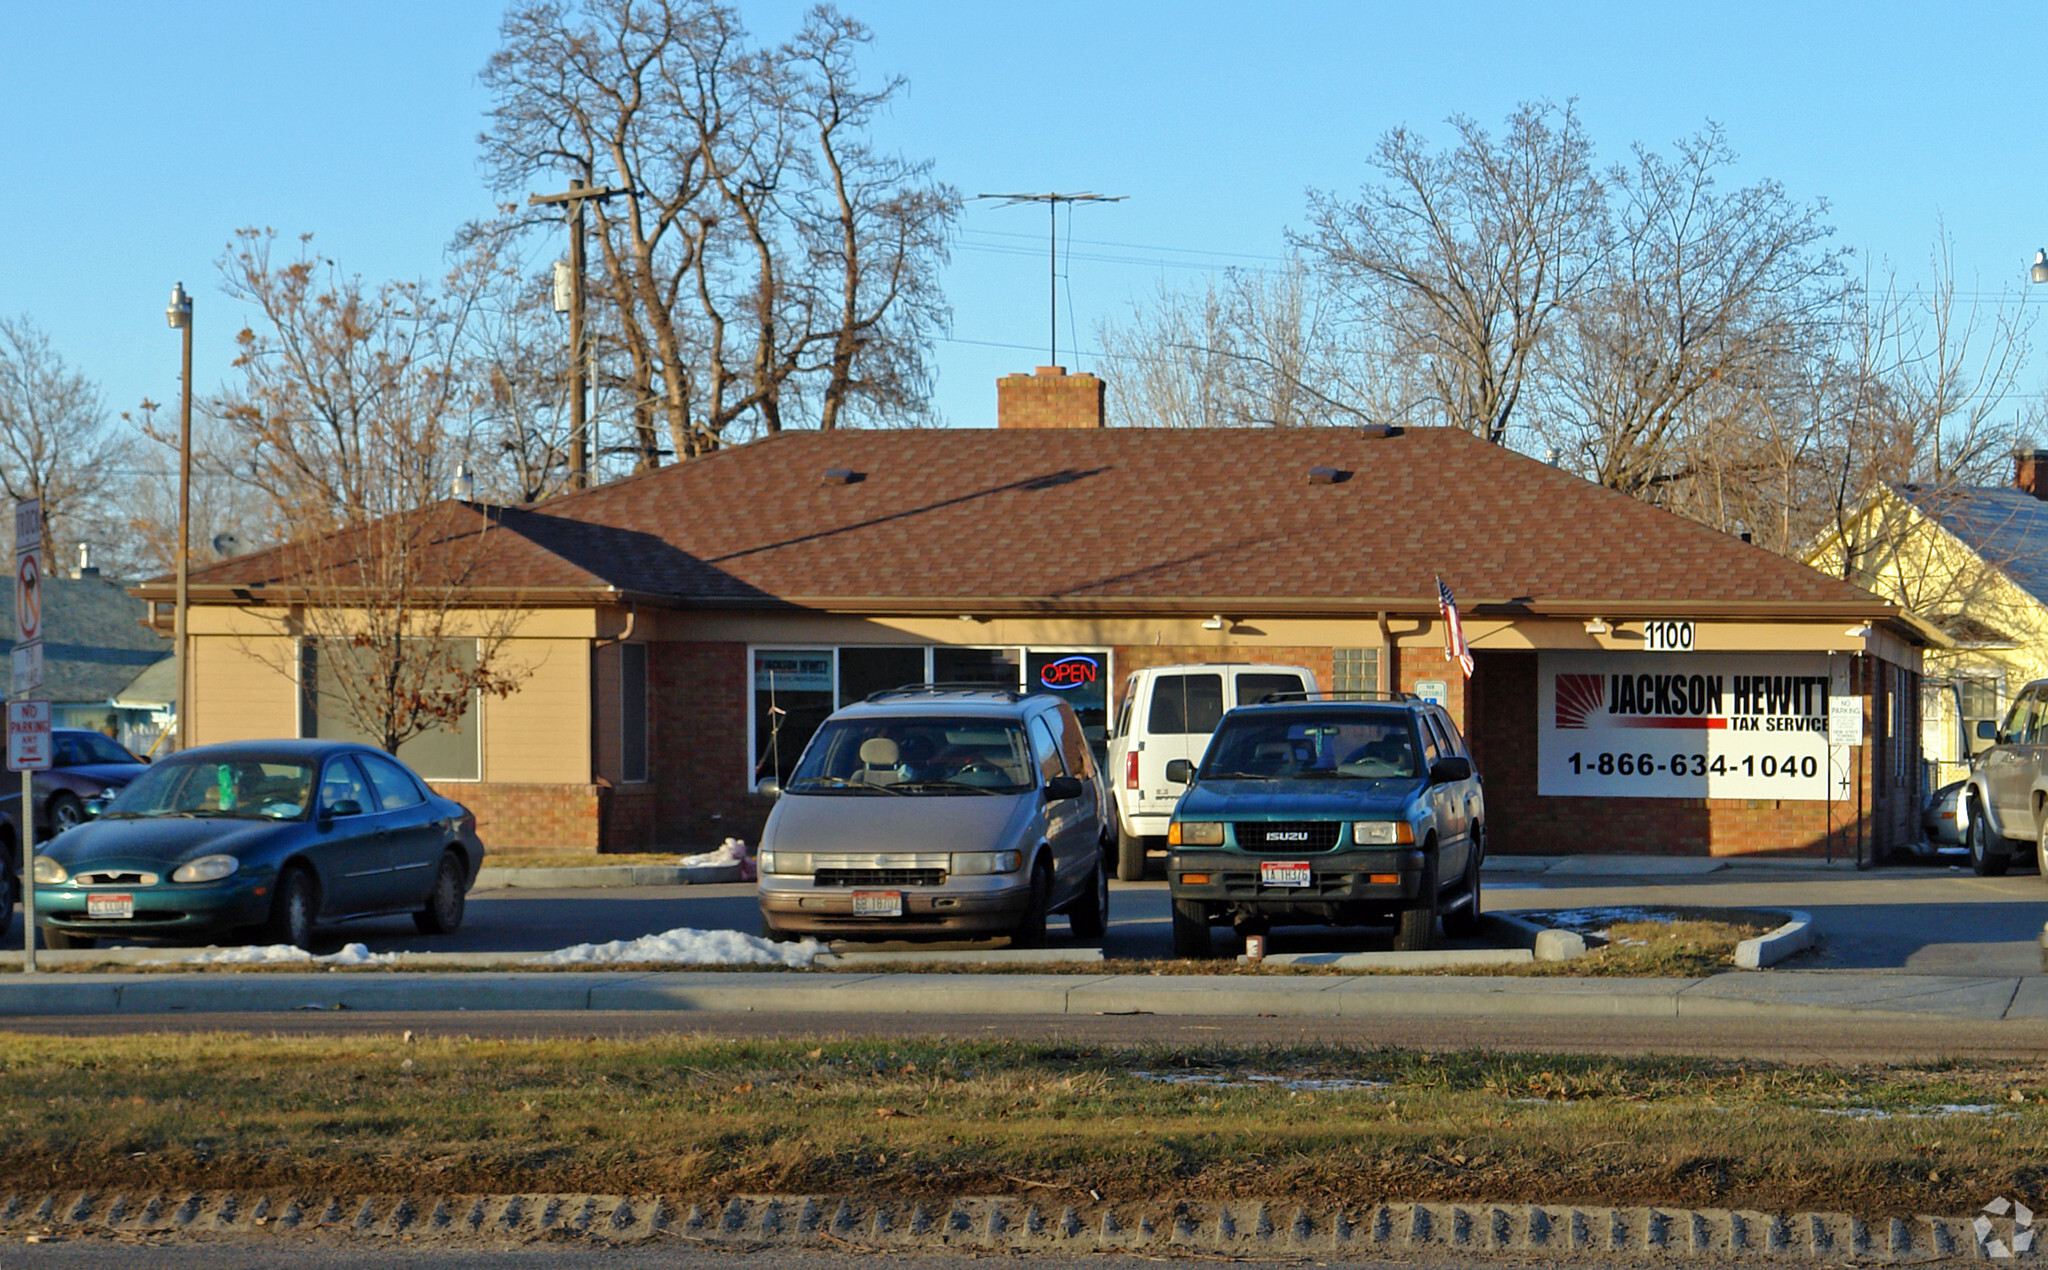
1049,398
512,816
1521,822
697,747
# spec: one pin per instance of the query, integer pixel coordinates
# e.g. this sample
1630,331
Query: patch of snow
1940,1109
1598,921
688,947
279,954
733,851
1299,1084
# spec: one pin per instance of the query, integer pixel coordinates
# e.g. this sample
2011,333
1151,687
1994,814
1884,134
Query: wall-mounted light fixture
1859,631
1215,623
969,617
1598,626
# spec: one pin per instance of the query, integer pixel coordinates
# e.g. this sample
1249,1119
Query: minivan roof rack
1339,694
935,688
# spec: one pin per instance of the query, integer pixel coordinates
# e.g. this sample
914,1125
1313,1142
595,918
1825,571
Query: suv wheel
1191,931
1415,930
1130,856
1988,858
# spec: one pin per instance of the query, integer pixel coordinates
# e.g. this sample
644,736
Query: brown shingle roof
1025,519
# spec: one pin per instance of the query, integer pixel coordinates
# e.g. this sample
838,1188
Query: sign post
28,722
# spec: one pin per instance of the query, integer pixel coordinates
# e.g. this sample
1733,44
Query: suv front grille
1287,835
879,877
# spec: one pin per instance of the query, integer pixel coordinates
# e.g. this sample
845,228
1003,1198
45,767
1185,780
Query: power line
1052,203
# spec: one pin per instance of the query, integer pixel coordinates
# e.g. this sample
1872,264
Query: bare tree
351,405
56,443
1707,306
1253,349
1466,257
763,261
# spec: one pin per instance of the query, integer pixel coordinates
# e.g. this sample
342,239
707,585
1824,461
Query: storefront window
792,696
869,670
995,666
1354,669
1082,679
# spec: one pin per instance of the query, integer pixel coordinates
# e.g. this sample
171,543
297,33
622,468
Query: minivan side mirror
1180,771
1987,730
1061,788
1451,767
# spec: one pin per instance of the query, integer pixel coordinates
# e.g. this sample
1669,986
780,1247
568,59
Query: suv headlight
1195,833
1381,833
207,868
771,861
969,863
50,873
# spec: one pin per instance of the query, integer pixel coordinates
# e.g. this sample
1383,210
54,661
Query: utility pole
575,196
1052,206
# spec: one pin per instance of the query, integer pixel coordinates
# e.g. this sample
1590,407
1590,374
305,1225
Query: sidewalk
1788,995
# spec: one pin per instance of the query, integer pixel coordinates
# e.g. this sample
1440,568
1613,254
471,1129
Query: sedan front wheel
292,909
445,903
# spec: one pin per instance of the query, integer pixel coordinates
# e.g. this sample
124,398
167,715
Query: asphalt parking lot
1931,920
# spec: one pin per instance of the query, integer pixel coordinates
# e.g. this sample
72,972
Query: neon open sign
1069,672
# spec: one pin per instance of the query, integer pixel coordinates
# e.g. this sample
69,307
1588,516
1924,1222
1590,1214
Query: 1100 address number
1769,765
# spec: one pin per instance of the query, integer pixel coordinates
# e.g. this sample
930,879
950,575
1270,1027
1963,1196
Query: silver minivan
937,810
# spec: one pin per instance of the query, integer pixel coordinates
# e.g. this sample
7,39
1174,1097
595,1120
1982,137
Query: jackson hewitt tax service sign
1683,725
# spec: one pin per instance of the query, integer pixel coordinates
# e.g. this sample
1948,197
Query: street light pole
180,316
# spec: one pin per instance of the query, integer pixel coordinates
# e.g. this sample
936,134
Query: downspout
596,685
1393,654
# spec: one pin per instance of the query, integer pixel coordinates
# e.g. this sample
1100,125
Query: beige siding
241,689
541,733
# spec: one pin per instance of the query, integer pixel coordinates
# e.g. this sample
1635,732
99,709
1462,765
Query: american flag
1454,630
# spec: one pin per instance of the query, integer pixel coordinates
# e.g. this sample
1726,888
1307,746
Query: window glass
251,787
633,712
1253,687
94,748
342,782
1355,669
792,696
2017,718
64,751
1123,713
869,670
1081,679
1045,752
1454,741
1301,745
1430,752
1186,704
1075,749
392,784
928,754
996,667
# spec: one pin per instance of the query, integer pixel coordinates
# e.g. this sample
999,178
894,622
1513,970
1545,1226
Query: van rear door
1180,713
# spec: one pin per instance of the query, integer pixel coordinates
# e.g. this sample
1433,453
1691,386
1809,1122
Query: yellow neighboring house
1971,563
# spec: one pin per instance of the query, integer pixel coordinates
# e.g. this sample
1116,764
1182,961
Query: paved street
1930,920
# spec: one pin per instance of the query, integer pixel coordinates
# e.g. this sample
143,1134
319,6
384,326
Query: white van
1167,713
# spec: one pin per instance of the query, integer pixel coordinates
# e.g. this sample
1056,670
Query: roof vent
1379,431
1327,475
842,476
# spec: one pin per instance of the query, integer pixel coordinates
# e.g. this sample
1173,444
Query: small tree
352,407
55,442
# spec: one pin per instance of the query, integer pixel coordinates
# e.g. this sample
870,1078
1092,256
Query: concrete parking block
1794,935
1634,866
1206,994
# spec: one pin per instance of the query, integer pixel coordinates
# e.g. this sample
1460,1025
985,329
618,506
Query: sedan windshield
912,756
1292,746
255,789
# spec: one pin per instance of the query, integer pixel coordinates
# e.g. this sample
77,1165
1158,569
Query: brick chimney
2030,472
1049,397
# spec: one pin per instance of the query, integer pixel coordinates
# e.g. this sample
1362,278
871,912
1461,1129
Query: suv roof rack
1339,694
935,688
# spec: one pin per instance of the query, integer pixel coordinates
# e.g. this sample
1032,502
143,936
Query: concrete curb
1795,936
1786,995
602,876
1001,1223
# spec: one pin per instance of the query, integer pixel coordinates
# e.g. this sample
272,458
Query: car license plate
878,903
1283,873
103,904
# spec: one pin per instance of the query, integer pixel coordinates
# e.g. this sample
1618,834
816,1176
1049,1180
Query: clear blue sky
140,136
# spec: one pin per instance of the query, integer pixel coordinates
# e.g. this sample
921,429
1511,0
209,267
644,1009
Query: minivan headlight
772,861
207,868
968,863
50,873
1194,833
1382,833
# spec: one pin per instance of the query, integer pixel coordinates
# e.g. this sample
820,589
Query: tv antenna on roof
1052,206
